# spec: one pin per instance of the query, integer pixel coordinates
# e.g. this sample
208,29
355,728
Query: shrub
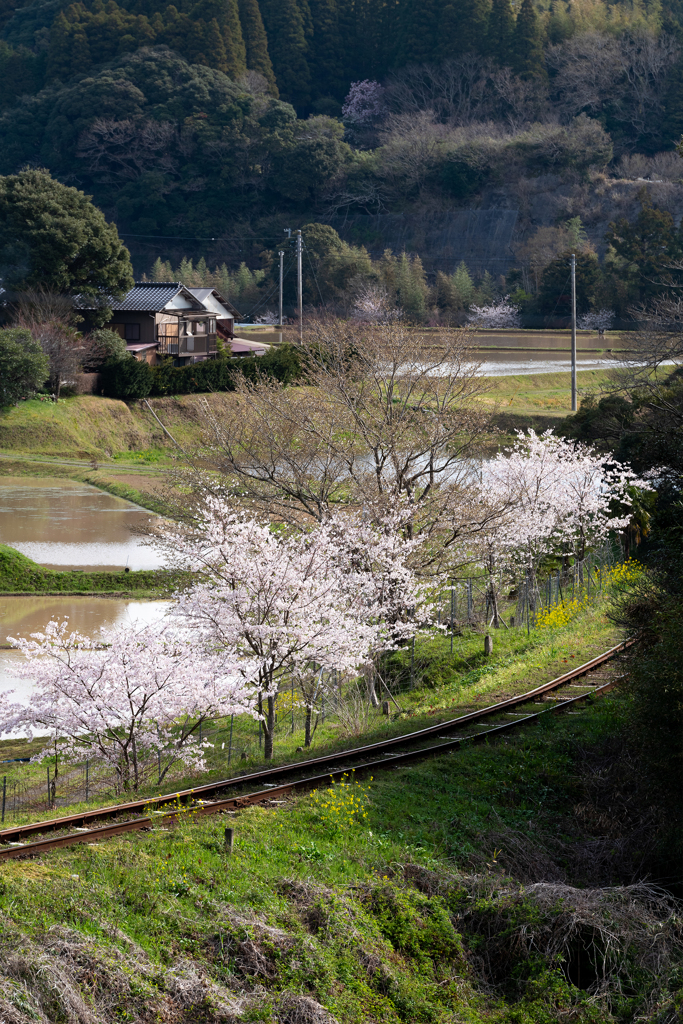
126,378
23,367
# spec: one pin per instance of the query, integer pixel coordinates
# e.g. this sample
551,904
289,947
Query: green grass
446,685
374,914
396,899
20,575
539,399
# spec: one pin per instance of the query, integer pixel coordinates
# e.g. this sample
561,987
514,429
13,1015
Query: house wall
144,321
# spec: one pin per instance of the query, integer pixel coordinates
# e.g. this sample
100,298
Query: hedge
129,379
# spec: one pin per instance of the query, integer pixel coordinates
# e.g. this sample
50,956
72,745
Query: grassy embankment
20,575
123,438
400,899
445,685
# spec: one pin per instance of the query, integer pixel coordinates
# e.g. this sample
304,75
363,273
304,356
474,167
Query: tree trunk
370,678
307,726
269,729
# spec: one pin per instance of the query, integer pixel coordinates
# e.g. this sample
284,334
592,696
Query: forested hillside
204,128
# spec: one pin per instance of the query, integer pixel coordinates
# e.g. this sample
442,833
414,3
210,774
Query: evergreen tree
232,56
463,285
256,42
650,245
20,73
68,49
528,49
499,42
307,20
288,49
411,286
419,32
463,27
235,49
327,56
161,271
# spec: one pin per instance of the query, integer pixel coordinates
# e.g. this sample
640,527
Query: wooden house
167,319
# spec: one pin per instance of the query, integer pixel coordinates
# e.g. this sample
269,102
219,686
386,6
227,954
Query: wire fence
343,702
504,598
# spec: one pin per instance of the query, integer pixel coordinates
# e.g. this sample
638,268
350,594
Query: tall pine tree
226,15
288,50
256,43
419,32
528,49
326,61
500,39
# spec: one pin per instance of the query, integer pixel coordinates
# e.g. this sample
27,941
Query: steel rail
19,832
159,818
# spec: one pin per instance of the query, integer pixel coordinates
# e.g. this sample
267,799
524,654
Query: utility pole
299,285
282,256
573,332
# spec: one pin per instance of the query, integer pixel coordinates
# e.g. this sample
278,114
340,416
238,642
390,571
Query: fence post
452,610
292,705
86,780
229,839
49,798
4,795
412,664
469,600
159,760
232,719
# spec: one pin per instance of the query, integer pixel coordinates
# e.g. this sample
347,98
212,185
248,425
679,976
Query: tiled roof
148,296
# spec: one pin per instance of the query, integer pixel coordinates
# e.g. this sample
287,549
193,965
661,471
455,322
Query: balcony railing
190,345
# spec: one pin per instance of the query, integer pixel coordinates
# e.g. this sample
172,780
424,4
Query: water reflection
21,616
64,524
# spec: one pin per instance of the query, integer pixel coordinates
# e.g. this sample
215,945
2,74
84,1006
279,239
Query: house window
132,332
212,326
200,327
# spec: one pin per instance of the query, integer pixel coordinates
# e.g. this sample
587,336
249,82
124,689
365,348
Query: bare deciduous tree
390,416
50,319
595,71
124,149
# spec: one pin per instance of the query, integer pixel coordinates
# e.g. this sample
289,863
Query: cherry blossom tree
364,102
277,598
133,698
555,495
596,320
374,306
502,313
376,556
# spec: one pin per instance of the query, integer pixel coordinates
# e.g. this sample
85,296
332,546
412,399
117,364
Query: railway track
479,725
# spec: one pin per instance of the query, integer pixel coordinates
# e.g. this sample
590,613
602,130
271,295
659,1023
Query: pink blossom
132,699
365,101
500,314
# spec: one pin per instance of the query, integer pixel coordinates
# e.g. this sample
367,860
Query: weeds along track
227,794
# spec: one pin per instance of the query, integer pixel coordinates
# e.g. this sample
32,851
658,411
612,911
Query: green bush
126,378
23,366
